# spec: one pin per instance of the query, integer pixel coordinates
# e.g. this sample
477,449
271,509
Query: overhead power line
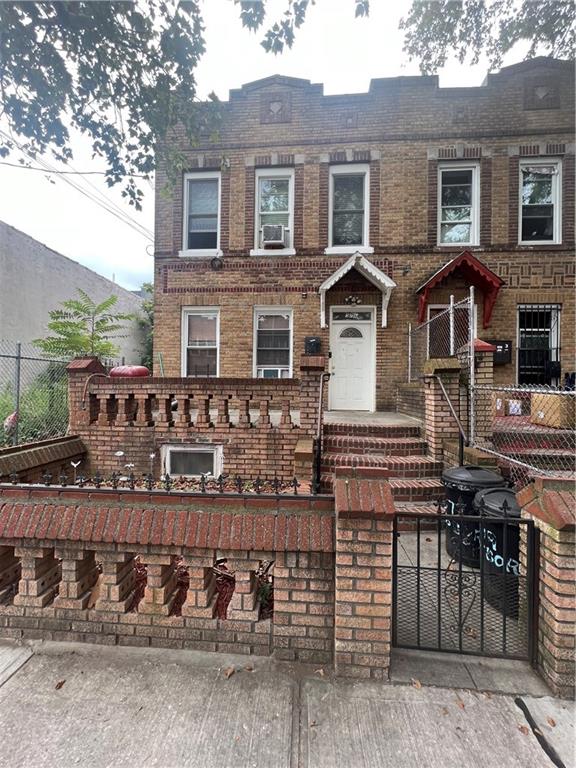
98,198
67,173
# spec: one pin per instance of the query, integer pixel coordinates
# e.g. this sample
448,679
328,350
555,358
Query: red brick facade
401,129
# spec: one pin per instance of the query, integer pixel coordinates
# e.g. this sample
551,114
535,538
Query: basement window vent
192,461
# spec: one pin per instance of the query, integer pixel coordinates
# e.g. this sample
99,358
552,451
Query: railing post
451,326
472,373
409,352
17,363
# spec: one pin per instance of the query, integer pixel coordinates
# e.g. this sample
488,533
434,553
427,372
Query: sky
332,48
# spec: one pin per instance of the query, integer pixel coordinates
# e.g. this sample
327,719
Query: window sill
348,249
458,245
273,252
209,254
538,243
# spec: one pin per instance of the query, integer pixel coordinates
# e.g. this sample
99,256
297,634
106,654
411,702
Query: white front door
352,359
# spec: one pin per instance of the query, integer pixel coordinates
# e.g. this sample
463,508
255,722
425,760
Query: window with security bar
200,342
540,202
273,336
539,344
274,206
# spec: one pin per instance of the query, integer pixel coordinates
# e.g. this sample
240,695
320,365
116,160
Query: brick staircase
396,452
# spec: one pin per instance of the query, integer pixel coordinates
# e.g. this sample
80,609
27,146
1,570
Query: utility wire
67,173
104,202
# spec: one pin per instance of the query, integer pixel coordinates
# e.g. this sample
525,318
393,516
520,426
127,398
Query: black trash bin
500,548
462,484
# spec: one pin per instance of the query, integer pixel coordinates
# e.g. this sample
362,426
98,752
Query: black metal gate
465,584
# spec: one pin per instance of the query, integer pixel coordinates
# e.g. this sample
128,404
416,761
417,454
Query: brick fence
258,422
106,567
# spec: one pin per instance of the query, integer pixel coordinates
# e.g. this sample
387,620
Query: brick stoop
394,452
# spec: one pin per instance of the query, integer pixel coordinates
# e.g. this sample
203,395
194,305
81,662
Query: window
538,344
192,461
202,212
349,209
458,211
274,210
273,343
200,342
540,202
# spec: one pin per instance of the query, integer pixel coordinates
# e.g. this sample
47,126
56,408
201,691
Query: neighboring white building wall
34,280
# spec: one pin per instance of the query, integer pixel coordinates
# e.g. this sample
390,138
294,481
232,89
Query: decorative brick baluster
160,585
203,416
103,415
286,417
79,574
39,577
183,418
243,605
117,583
165,407
143,411
122,414
10,568
264,418
244,414
223,419
200,599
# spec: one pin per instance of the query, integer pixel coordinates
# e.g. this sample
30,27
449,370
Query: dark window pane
201,240
191,462
457,188
201,362
348,229
537,222
202,329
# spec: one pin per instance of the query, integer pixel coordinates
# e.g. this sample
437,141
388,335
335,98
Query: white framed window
192,460
540,208
201,235
200,341
274,212
458,204
349,209
273,342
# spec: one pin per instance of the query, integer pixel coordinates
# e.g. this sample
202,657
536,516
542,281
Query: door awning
374,275
471,269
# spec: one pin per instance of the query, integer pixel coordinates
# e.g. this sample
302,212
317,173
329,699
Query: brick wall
402,127
84,564
551,503
257,422
55,456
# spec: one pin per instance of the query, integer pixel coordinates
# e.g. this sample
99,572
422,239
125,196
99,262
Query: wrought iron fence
33,395
530,430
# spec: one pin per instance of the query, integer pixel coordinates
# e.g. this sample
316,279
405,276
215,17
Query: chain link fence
530,430
448,332
33,395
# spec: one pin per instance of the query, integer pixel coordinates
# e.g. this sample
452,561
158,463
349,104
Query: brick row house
346,217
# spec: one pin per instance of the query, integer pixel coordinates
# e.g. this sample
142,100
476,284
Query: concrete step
397,466
371,430
365,444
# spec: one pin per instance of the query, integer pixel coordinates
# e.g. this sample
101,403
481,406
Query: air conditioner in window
273,235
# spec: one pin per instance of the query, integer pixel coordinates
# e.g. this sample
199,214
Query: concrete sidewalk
71,705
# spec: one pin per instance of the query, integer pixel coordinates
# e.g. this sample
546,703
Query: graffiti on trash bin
493,557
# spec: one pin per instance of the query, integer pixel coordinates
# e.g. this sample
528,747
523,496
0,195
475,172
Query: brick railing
258,422
135,568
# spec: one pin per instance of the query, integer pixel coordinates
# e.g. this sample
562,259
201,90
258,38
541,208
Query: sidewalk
71,705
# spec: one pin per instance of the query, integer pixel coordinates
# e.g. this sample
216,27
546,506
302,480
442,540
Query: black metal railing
203,484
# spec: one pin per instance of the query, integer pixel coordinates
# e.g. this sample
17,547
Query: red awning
474,273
